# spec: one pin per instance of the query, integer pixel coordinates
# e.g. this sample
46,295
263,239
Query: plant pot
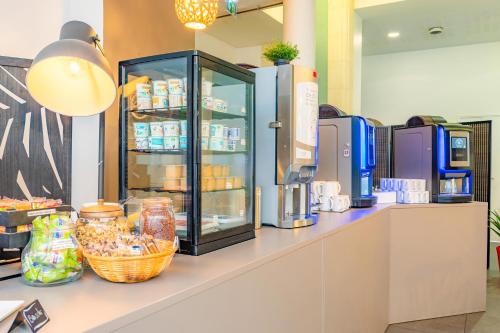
281,62
498,256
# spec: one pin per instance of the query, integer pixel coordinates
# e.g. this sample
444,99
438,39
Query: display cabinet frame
195,242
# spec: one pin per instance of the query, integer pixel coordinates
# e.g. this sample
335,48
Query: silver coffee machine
286,143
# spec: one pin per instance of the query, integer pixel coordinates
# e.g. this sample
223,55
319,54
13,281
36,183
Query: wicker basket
133,269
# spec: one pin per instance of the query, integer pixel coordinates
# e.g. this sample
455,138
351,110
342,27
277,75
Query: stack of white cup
326,195
409,191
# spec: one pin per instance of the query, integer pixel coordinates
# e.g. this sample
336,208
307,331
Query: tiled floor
481,322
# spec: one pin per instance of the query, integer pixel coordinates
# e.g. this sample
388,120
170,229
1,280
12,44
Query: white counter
300,278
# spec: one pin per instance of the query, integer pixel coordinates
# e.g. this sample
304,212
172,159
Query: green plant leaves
281,50
494,219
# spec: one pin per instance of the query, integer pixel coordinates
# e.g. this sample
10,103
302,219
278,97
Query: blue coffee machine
347,154
441,153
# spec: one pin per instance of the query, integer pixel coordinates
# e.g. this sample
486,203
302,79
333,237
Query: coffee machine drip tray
298,221
454,198
454,189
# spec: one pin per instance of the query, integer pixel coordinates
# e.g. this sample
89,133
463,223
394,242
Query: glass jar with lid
53,255
157,218
101,221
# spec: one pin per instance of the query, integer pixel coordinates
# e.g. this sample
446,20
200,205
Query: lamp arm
97,42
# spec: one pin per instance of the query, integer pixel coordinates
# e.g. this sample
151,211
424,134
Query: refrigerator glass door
225,143
155,135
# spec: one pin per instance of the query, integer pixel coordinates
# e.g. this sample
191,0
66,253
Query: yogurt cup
231,145
156,128
141,130
171,142
207,102
175,100
218,144
220,105
171,128
183,127
206,87
160,102
234,133
183,142
205,128
175,86
143,90
156,142
217,130
204,143
144,103
160,88
141,143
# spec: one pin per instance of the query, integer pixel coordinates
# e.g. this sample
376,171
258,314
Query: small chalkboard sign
33,316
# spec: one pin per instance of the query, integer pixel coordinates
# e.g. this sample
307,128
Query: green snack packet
48,275
58,221
39,223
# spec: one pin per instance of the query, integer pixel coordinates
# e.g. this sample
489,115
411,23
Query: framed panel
481,177
35,143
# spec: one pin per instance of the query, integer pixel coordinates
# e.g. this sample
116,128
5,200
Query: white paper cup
171,128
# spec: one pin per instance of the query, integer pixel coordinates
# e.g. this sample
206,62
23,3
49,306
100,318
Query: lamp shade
196,14
71,76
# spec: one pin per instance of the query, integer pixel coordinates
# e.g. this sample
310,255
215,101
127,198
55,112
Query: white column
298,28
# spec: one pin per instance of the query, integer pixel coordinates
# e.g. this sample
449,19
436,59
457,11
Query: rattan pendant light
196,14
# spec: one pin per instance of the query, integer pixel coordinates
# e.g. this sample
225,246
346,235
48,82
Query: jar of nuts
100,222
157,218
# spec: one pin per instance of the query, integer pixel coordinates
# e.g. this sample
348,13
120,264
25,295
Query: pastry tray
14,240
13,218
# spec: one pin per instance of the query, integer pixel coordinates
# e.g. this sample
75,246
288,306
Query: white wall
29,25
357,64
460,83
250,55
214,46
85,159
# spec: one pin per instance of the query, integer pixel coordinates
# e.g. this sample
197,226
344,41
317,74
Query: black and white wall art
35,143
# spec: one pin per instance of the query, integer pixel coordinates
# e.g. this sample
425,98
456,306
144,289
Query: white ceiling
246,29
465,22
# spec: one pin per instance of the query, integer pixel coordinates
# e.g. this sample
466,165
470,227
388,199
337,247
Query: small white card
9,307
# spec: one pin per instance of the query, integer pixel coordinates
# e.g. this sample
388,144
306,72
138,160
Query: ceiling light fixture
393,34
71,76
196,14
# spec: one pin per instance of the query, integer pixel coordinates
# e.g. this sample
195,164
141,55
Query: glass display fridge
187,133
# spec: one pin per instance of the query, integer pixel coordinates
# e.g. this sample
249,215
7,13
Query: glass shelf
180,112
223,152
162,190
182,152
158,151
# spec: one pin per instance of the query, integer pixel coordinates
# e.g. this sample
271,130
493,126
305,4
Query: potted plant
495,227
281,53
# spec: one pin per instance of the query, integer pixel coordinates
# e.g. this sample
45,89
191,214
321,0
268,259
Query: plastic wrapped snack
52,255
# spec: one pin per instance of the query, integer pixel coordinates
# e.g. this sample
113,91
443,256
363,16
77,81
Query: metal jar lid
101,209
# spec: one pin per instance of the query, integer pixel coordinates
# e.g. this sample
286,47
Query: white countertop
91,302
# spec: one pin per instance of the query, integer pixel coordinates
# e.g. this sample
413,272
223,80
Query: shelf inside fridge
180,113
